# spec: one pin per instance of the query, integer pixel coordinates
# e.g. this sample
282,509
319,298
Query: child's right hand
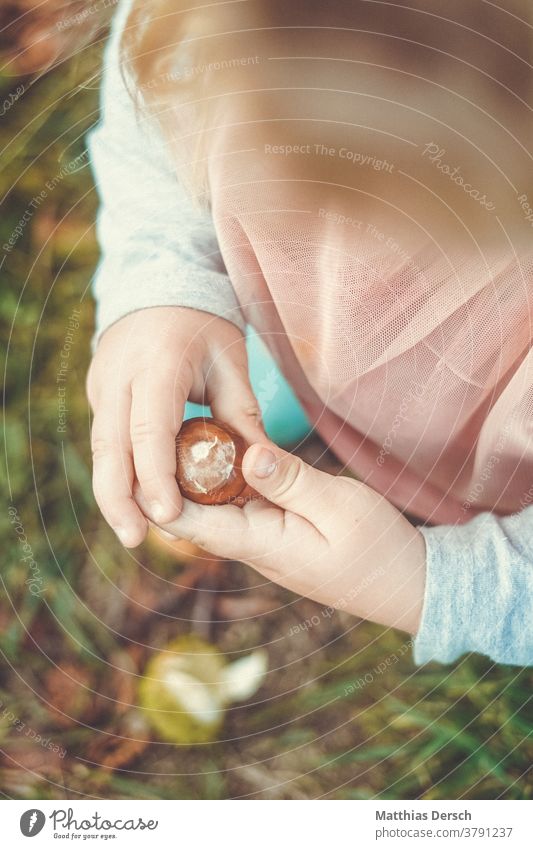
145,368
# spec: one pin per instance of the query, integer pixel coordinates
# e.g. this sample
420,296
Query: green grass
436,732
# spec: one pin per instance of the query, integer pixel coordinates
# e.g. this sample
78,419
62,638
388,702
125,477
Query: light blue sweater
158,251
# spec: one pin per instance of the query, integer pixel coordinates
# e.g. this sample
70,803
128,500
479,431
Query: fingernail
126,537
158,511
265,464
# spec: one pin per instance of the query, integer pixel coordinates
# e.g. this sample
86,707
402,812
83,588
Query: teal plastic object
283,416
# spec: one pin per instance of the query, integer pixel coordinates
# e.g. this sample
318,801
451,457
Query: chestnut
209,461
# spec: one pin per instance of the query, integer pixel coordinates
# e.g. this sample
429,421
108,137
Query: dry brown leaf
115,751
244,606
67,689
32,757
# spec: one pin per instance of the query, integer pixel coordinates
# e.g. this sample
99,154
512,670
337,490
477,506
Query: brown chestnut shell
209,461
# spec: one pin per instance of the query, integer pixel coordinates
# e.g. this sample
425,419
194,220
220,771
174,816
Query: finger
230,393
113,467
158,401
219,529
289,482
257,533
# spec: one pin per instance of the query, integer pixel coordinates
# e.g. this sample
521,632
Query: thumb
285,480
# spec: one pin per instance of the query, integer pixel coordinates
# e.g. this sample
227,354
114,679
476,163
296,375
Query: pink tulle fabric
415,369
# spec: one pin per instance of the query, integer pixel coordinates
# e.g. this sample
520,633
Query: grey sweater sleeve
156,248
479,590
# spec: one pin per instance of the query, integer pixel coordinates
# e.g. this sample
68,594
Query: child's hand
145,368
330,538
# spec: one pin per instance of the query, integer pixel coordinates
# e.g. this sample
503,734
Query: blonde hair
181,58
216,39
184,60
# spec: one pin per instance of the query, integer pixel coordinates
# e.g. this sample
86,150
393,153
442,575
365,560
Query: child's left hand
330,538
